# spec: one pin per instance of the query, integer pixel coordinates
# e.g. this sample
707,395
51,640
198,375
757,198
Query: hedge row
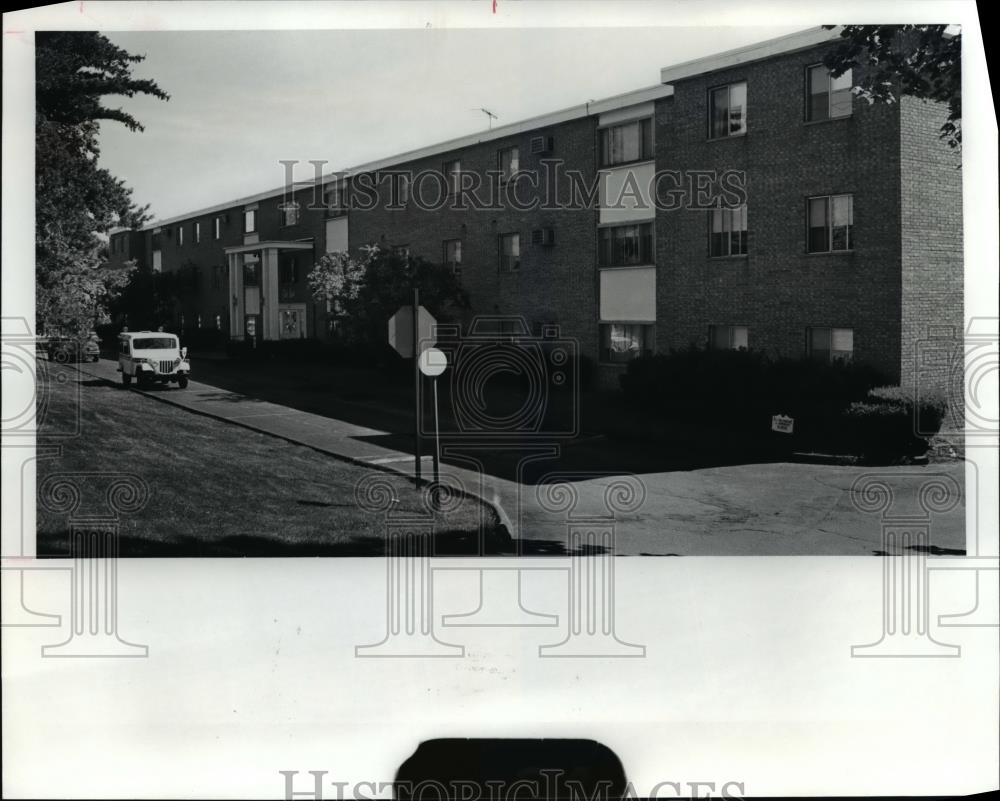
837,407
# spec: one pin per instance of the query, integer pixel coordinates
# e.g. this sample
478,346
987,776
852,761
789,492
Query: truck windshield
154,343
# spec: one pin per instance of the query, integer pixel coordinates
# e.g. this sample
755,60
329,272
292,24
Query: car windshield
154,343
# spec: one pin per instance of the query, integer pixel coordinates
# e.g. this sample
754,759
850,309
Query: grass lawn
220,490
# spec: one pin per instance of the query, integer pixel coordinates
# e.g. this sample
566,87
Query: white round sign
433,362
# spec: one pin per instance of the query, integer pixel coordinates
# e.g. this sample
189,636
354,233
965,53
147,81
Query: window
622,342
830,223
180,236
400,189
625,245
251,270
827,97
249,221
727,114
631,141
197,232
728,236
217,228
452,175
289,272
156,343
728,337
288,277
157,261
453,254
334,200
830,344
218,322
510,253
508,162
290,214
198,322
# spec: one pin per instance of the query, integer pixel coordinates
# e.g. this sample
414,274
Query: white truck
152,357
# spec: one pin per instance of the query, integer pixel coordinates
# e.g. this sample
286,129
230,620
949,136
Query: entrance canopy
253,285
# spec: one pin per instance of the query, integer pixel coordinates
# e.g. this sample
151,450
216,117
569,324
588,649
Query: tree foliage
920,60
364,291
77,201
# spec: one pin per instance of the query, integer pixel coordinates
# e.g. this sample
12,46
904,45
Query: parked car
71,349
152,357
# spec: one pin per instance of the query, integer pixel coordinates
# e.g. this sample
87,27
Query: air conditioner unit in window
543,236
541,144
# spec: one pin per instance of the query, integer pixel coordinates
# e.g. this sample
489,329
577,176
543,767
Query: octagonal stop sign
401,330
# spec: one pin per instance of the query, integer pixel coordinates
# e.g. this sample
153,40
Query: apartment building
746,200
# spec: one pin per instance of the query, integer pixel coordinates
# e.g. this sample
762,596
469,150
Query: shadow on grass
495,542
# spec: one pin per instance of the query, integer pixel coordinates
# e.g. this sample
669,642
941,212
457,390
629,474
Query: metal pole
416,386
437,436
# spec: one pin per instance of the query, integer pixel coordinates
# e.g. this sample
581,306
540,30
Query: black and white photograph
544,371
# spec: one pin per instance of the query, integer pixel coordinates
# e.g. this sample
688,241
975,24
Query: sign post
432,363
416,385
411,332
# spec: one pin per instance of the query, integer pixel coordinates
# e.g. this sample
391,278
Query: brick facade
901,278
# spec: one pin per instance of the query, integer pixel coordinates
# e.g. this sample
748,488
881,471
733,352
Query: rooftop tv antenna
489,114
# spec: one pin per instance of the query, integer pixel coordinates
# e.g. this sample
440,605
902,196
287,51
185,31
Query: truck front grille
166,367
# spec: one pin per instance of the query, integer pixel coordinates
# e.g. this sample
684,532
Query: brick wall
932,264
555,284
778,290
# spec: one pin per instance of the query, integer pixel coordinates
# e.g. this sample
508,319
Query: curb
497,510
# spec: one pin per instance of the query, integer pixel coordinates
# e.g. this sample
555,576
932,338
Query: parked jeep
152,357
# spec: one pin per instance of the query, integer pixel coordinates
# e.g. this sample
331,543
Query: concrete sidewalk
744,509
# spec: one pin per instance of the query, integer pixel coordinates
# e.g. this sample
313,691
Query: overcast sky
243,100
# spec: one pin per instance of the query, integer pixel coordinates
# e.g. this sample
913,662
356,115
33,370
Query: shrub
743,389
883,425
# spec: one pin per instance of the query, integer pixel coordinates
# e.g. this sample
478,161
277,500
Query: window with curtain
828,97
625,245
830,223
622,342
830,344
728,235
727,115
630,141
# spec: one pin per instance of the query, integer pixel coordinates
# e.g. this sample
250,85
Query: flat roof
624,100
754,52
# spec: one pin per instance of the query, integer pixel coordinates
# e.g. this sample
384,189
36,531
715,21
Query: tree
920,60
365,291
76,201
